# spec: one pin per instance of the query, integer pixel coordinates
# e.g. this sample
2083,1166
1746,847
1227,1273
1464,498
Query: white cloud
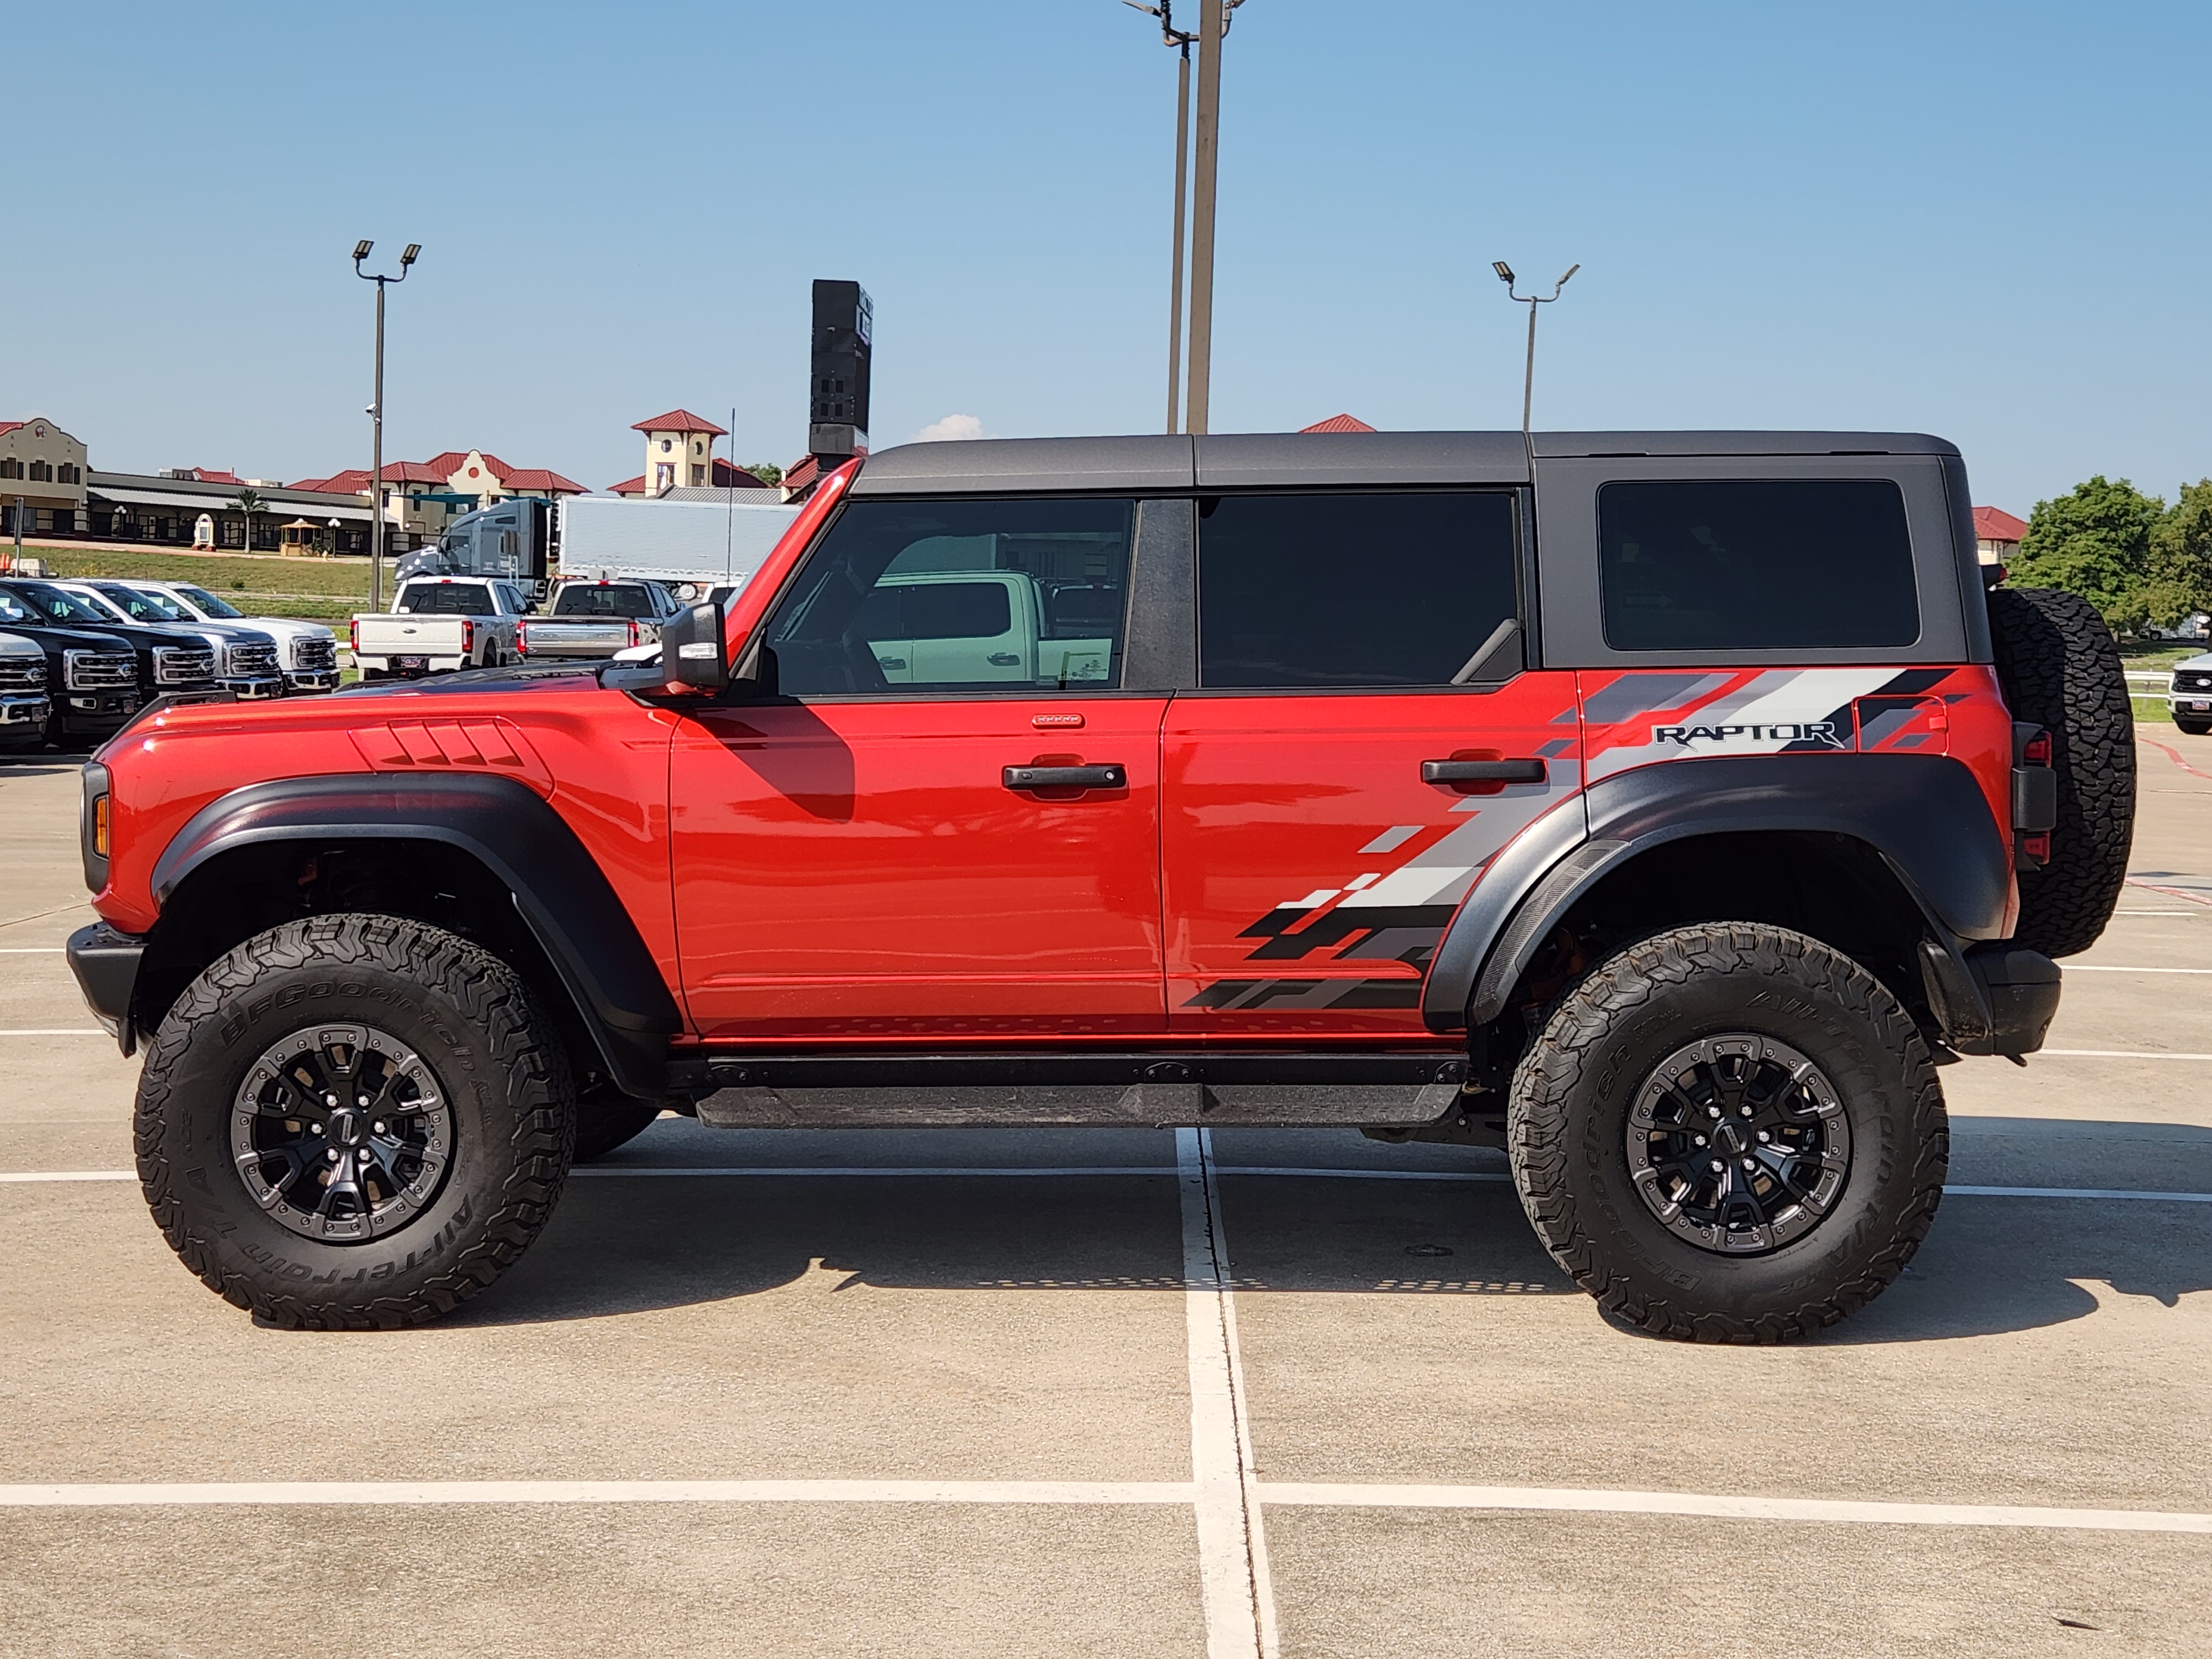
953,426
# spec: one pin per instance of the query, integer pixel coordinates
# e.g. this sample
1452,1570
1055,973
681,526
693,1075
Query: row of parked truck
78,658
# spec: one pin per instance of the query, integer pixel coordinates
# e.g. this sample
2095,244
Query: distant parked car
597,618
166,658
24,706
92,674
308,651
439,623
2189,695
245,658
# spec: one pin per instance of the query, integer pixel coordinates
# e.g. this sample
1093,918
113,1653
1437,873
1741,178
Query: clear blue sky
1987,222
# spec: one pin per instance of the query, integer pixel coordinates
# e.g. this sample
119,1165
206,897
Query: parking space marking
1267,1171
2100,968
58,1032
1558,1499
199,1494
1231,1549
2117,1054
30,950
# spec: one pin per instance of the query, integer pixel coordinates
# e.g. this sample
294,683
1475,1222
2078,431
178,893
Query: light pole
376,416
1532,300
1213,27
1180,40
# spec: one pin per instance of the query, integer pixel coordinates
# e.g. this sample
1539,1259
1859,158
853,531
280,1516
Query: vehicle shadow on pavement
620,1246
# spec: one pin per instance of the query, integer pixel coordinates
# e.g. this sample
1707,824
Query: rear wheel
354,1121
2060,668
1729,1134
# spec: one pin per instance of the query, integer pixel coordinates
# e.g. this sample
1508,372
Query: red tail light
2037,847
633,630
468,636
522,635
2037,751
355,635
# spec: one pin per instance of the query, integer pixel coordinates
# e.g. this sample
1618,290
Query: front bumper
96,710
23,716
321,679
105,963
259,689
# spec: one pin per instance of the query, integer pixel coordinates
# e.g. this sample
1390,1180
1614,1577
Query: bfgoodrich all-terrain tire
2060,668
354,1121
1730,1133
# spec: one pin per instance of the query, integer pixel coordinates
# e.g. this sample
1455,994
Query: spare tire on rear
2060,668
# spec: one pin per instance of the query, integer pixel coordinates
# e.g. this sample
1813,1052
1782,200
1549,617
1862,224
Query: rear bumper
1994,999
105,963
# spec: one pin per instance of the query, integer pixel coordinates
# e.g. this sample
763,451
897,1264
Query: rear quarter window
1755,564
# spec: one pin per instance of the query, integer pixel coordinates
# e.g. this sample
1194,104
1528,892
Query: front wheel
1730,1133
354,1121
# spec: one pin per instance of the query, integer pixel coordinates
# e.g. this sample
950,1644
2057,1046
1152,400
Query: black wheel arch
1897,848
486,856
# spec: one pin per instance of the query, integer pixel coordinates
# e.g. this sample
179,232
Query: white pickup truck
980,626
439,623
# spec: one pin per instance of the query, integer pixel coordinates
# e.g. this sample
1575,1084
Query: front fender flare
1924,814
558,888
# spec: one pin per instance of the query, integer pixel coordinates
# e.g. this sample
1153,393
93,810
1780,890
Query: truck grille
23,673
314,656
100,671
178,665
2192,681
250,661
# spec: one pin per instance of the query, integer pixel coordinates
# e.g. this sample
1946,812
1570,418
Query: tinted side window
1752,565
1350,590
919,596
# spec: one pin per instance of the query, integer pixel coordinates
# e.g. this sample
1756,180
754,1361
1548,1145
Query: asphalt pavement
1129,1392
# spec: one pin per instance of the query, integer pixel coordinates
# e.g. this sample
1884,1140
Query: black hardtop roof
1283,460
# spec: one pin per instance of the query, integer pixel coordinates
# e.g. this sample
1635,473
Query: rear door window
1755,565
1351,591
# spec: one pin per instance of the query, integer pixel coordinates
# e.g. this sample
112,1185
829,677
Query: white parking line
30,950
2118,1054
1269,1171
1557,1499
2099,968
1230,1551
57,1031
156,1494
1291,1494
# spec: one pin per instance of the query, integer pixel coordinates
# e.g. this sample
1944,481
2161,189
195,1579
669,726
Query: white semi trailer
705,544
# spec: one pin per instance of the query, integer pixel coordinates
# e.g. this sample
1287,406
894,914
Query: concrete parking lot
1129,1392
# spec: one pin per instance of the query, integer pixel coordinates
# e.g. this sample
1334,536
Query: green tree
767,471
2181,555
2096,542
249,502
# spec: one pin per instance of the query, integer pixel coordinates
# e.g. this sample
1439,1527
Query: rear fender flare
560,890
1924,814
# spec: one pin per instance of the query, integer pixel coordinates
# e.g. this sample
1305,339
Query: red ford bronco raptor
1662,807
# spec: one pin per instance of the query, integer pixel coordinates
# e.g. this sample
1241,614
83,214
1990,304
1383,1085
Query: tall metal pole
1212,16
376,468
1174,285
1529,374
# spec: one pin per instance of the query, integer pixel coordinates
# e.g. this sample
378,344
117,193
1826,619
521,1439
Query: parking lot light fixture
1532,300
376,419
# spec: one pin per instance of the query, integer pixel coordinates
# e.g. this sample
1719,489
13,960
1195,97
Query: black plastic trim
558,888
1925,814
1062,1069
105,963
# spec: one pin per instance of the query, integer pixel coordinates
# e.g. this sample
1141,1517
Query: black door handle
1065,777
1494,771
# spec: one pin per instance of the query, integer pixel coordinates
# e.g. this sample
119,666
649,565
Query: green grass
317,590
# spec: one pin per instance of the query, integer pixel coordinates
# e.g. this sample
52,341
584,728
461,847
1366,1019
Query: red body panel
1310,873
859,870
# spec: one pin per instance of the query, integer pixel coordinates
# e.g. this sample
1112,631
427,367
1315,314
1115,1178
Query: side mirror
694,655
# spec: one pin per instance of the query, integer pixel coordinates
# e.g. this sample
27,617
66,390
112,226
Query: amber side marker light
100,826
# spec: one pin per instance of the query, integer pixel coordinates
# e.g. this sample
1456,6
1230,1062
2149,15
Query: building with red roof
679,454
420,498
1998,534
1338,423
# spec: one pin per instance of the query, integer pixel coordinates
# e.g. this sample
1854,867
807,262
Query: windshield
55,605
104,608
142,606
210,605
604,599
444,600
